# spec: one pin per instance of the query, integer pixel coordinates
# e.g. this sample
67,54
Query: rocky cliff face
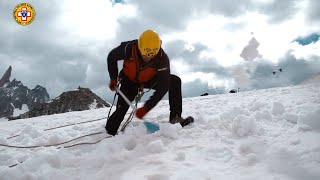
77,100
6,77
14,94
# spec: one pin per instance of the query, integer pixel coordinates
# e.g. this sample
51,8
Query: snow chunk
54,139
170,131
291,118
31,132
258,106
46,156
156,146
252,146
130,143
234,112
32,135
277,108
312,119
243,125
263,115
252,150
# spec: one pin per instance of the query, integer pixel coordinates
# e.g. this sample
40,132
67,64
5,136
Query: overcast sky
208,42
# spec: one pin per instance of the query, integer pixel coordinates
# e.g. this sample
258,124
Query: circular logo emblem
24,14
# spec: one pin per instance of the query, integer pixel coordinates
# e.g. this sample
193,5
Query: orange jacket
135,69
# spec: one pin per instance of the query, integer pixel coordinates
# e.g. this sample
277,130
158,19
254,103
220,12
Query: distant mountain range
76,100
18,101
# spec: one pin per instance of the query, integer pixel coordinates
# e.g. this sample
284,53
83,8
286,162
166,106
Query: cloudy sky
214,45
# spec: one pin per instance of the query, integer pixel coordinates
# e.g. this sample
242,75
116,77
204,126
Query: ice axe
151,127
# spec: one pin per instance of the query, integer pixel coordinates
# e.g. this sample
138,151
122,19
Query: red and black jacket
136,70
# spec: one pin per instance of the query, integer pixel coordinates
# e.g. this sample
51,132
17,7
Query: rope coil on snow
68,146
49,145
49,129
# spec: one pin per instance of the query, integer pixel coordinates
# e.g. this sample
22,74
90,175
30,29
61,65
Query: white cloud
307,51
188,75
96,20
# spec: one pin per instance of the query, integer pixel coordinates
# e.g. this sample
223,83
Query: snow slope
267,134
312,80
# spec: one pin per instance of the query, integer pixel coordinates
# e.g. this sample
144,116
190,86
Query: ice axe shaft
151,127
126,99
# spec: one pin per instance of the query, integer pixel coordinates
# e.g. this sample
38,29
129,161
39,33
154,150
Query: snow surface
93,105
270,134
312,80
18,111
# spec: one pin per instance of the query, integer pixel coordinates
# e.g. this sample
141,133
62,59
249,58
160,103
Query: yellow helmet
149,43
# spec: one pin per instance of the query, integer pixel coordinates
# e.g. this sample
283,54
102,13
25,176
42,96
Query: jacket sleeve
121,52
163,82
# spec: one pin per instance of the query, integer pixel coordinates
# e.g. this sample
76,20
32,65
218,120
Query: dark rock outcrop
14,95
77,100
6,77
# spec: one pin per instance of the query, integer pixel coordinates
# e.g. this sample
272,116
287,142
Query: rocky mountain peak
6,77
13,95
76,100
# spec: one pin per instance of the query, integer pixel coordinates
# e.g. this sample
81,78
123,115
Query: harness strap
136,61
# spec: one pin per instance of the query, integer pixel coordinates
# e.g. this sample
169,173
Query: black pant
130,90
